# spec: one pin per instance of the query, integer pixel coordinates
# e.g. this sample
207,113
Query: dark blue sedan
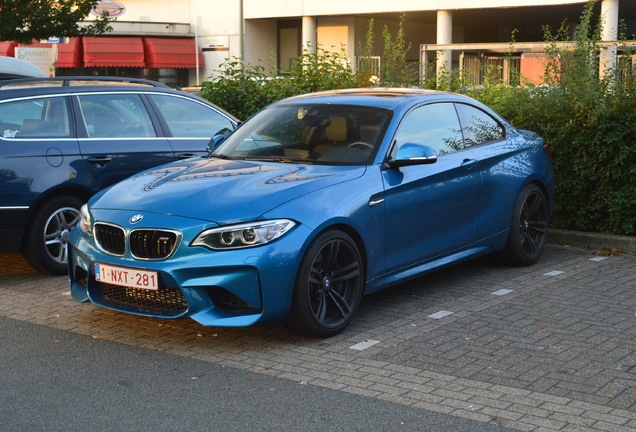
313,202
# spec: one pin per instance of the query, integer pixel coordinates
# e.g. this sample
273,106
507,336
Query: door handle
469,163
100,161
376,200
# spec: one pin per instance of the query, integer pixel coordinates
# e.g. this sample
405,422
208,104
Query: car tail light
547,151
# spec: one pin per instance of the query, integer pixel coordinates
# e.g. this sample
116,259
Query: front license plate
127,277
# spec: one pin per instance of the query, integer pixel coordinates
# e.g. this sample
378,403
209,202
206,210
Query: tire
329,286
529,227
46,240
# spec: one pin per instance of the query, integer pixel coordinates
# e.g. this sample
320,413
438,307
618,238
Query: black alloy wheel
329,286
529,227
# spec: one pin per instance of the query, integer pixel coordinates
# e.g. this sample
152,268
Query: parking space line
368,343
440,314
502,292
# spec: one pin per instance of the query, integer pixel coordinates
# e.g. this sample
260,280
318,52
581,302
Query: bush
590,126
244,89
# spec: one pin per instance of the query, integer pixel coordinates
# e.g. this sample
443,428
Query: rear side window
190,119
478,127
36,118
111,115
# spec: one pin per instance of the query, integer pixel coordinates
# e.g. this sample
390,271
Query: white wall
148,10
261,47
290,8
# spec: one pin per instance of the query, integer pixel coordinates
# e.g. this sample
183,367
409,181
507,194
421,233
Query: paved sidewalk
544,348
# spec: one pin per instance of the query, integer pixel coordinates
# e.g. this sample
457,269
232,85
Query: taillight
547,151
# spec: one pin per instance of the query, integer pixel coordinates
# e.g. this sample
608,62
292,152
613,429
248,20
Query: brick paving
550,347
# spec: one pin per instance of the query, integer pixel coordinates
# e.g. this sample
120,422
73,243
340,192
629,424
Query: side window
435,125
478,126
112,115
189,119
35,118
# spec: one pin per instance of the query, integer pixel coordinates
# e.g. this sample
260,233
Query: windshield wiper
271,159
221,156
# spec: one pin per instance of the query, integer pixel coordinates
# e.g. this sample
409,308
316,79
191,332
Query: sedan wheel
529,227
46,243
328,287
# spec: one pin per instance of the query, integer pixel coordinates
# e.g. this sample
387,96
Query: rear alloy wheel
329,286
46,242
529,227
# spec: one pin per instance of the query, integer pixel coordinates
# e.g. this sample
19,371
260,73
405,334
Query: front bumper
216,288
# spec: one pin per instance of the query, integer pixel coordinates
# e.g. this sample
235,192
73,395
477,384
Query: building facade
184,42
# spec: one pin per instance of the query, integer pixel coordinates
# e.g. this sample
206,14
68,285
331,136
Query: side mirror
215,141
413,154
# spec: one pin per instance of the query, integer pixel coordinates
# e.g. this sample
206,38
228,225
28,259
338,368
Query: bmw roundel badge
136,218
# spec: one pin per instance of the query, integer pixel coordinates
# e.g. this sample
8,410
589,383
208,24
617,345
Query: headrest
337,129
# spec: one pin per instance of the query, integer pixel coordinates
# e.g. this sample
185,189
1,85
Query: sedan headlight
244,235
85,223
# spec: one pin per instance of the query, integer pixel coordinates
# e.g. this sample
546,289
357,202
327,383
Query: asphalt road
54,380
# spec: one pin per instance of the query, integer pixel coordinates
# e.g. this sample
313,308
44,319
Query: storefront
144,47
167,60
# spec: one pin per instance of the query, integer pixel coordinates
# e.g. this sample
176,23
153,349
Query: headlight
244,235
85,220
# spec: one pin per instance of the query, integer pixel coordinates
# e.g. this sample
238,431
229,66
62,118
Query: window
190,119
322,133
435,125
478,126
35,118
116,115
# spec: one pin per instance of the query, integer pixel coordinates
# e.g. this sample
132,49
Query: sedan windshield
322,134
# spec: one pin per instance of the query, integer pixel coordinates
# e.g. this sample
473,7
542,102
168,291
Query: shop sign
42,58
109,8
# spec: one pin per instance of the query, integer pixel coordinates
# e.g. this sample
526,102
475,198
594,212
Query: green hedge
590,126
244,89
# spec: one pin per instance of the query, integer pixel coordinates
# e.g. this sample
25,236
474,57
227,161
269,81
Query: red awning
113,51
7,49
171,53
69,55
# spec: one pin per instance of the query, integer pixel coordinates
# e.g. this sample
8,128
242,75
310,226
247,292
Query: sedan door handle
100,161
469,163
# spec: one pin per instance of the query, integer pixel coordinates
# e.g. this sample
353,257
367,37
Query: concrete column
609,15
444,36
309,38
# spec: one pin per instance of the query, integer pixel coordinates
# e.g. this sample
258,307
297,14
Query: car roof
57,85
380,97
11,67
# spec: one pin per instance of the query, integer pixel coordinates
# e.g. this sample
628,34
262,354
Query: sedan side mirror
215,141
413,154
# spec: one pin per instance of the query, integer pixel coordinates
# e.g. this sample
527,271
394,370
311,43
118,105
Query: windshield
322,134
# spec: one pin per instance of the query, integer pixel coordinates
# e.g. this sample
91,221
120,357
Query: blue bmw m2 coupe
312,203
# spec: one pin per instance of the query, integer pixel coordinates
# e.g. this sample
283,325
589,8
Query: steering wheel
361,144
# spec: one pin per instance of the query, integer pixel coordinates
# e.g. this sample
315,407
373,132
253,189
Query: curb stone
592,240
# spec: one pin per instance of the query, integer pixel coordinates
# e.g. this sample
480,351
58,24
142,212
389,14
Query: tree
396,70
365,72
25,20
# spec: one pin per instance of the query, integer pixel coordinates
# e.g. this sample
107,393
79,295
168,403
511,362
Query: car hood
222,191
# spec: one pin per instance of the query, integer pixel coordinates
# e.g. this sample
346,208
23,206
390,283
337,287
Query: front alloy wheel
328,287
